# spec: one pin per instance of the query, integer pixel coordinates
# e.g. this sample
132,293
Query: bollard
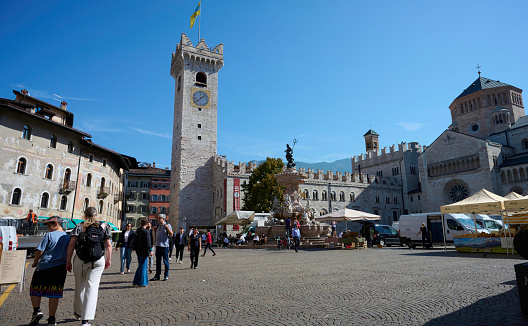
521,273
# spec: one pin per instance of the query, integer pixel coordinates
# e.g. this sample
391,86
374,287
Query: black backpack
90,244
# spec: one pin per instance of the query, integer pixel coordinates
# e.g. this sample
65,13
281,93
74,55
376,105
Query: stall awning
237,218
483,202
348,215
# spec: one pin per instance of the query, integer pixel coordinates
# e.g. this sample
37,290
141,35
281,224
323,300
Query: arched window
53,141
333,195
524,143
26,133
44,200
395,199
103,182
306,194
63,203
17,195
324,195
70,146
86,204
67,175
352,196
315,195
89,180
201,79
377,199
100,207
49,171
21,167
342,196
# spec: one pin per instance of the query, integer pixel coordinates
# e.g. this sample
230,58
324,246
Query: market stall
482,202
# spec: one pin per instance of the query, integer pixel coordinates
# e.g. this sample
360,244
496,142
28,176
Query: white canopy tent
348,215
482,202
237,218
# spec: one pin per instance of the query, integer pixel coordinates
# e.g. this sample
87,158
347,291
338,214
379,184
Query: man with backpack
93,247
162,232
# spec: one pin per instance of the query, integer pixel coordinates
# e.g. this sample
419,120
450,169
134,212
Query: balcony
103,192
67,186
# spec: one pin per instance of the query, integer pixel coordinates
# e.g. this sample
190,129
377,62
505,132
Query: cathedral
486,146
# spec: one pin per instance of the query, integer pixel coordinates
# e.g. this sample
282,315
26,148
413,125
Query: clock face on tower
200,98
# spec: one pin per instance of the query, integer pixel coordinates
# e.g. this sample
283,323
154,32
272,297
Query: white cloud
146,132
411,126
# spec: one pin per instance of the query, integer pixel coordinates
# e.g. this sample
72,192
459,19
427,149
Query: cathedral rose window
457,192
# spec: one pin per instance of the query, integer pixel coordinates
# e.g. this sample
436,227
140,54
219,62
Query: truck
454,224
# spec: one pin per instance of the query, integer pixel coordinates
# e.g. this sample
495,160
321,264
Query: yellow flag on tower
195,14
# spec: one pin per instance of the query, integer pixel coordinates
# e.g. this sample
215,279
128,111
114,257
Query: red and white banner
236,194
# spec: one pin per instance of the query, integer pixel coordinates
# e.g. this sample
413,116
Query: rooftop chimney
24,92
153,164
63,105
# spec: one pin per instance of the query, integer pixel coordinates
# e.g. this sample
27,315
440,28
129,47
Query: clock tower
195,70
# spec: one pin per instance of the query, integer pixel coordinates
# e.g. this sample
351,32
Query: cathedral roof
521,122
515,160
480,84
371,132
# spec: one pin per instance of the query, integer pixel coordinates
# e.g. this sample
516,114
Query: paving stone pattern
389,286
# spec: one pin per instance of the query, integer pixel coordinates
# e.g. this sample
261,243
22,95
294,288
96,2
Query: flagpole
199,21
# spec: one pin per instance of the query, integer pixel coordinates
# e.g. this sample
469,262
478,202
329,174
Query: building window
179,83
315,195
63,203
100,207
387,200
333,195
377,199
89,180
163,210
456,191
104,162
44,200
306,194
352,196
17,195
154,198
70,146
21,167
153,210
395,199
411,198
53,141
324,195
201,79
199,137
86,204
342,196
91,158
49,171
26,133
199,125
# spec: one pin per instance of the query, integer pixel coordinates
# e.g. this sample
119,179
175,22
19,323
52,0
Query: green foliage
263,187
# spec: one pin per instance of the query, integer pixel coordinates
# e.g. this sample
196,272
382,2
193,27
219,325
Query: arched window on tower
49,171
201,79
179,83
44,200
21,167
17,194
315,195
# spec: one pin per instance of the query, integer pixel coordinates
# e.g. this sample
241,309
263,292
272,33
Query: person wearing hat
50,273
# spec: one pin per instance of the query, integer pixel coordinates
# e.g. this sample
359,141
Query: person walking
162,232
123,242
143,247
180,241
92,243
208,243
334,229
296,237
195,246
150,258
287,225
425,235
50,273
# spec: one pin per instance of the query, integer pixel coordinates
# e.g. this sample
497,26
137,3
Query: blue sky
323,72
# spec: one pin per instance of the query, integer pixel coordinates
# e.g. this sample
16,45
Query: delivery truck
454,224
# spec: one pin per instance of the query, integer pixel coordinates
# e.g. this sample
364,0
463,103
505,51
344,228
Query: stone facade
52,168
195,70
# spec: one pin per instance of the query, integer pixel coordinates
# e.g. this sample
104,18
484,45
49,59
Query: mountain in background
344,165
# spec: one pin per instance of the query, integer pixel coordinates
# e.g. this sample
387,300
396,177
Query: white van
8,237
454,224
489,223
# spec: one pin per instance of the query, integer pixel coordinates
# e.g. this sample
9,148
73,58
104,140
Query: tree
263,187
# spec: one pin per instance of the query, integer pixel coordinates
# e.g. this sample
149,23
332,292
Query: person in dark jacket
124,241
195,246
180,241
143,247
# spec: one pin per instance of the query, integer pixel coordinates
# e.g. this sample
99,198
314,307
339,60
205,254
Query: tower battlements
244,169
381,156
200,56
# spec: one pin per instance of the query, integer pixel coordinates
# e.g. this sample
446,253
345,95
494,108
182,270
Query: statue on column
289,155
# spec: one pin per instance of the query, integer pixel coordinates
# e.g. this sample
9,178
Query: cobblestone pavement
389,286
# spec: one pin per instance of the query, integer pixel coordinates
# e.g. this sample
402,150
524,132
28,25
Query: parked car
384,235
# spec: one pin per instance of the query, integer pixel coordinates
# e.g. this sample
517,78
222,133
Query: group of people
87,251
91,241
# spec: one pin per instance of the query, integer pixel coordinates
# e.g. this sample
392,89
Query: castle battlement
382,156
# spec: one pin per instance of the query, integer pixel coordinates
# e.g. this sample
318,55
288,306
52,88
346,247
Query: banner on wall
236,194
225,197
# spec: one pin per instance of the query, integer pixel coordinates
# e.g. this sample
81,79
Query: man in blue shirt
50,274
162,233
296,237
